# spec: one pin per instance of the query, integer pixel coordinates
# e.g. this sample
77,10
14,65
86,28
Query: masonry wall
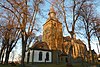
52,34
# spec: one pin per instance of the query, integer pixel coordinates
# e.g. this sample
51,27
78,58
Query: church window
47,56
40,56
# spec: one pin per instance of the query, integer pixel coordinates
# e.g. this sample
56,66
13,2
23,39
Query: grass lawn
64,65
47,65
2,65
50,65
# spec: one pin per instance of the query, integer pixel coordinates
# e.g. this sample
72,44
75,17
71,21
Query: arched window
40,56
47,56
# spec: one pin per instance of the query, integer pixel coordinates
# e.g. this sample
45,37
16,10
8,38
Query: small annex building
39,52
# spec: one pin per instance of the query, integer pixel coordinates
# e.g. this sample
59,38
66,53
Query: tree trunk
89,45
7,56
23,54
72,34
2,58
3,48
1,54
24,42
24,37
28,57
98,45
98,40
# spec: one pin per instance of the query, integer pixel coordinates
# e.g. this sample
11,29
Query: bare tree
96,27
75,11
87,15
10,35
25,15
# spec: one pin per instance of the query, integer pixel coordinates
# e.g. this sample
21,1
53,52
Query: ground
53,65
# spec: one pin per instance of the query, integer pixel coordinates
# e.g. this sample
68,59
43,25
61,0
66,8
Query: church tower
52,31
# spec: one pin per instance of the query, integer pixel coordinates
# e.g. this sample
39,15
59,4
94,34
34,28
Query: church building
54,48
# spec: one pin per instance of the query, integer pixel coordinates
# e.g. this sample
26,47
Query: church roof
79,41
68,39
40,45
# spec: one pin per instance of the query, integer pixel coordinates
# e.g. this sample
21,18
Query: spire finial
52,9
52,13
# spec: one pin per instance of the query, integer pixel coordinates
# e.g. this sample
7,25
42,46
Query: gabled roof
68,39
40,45
79,41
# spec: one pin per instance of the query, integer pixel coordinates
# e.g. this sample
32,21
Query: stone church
54,46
